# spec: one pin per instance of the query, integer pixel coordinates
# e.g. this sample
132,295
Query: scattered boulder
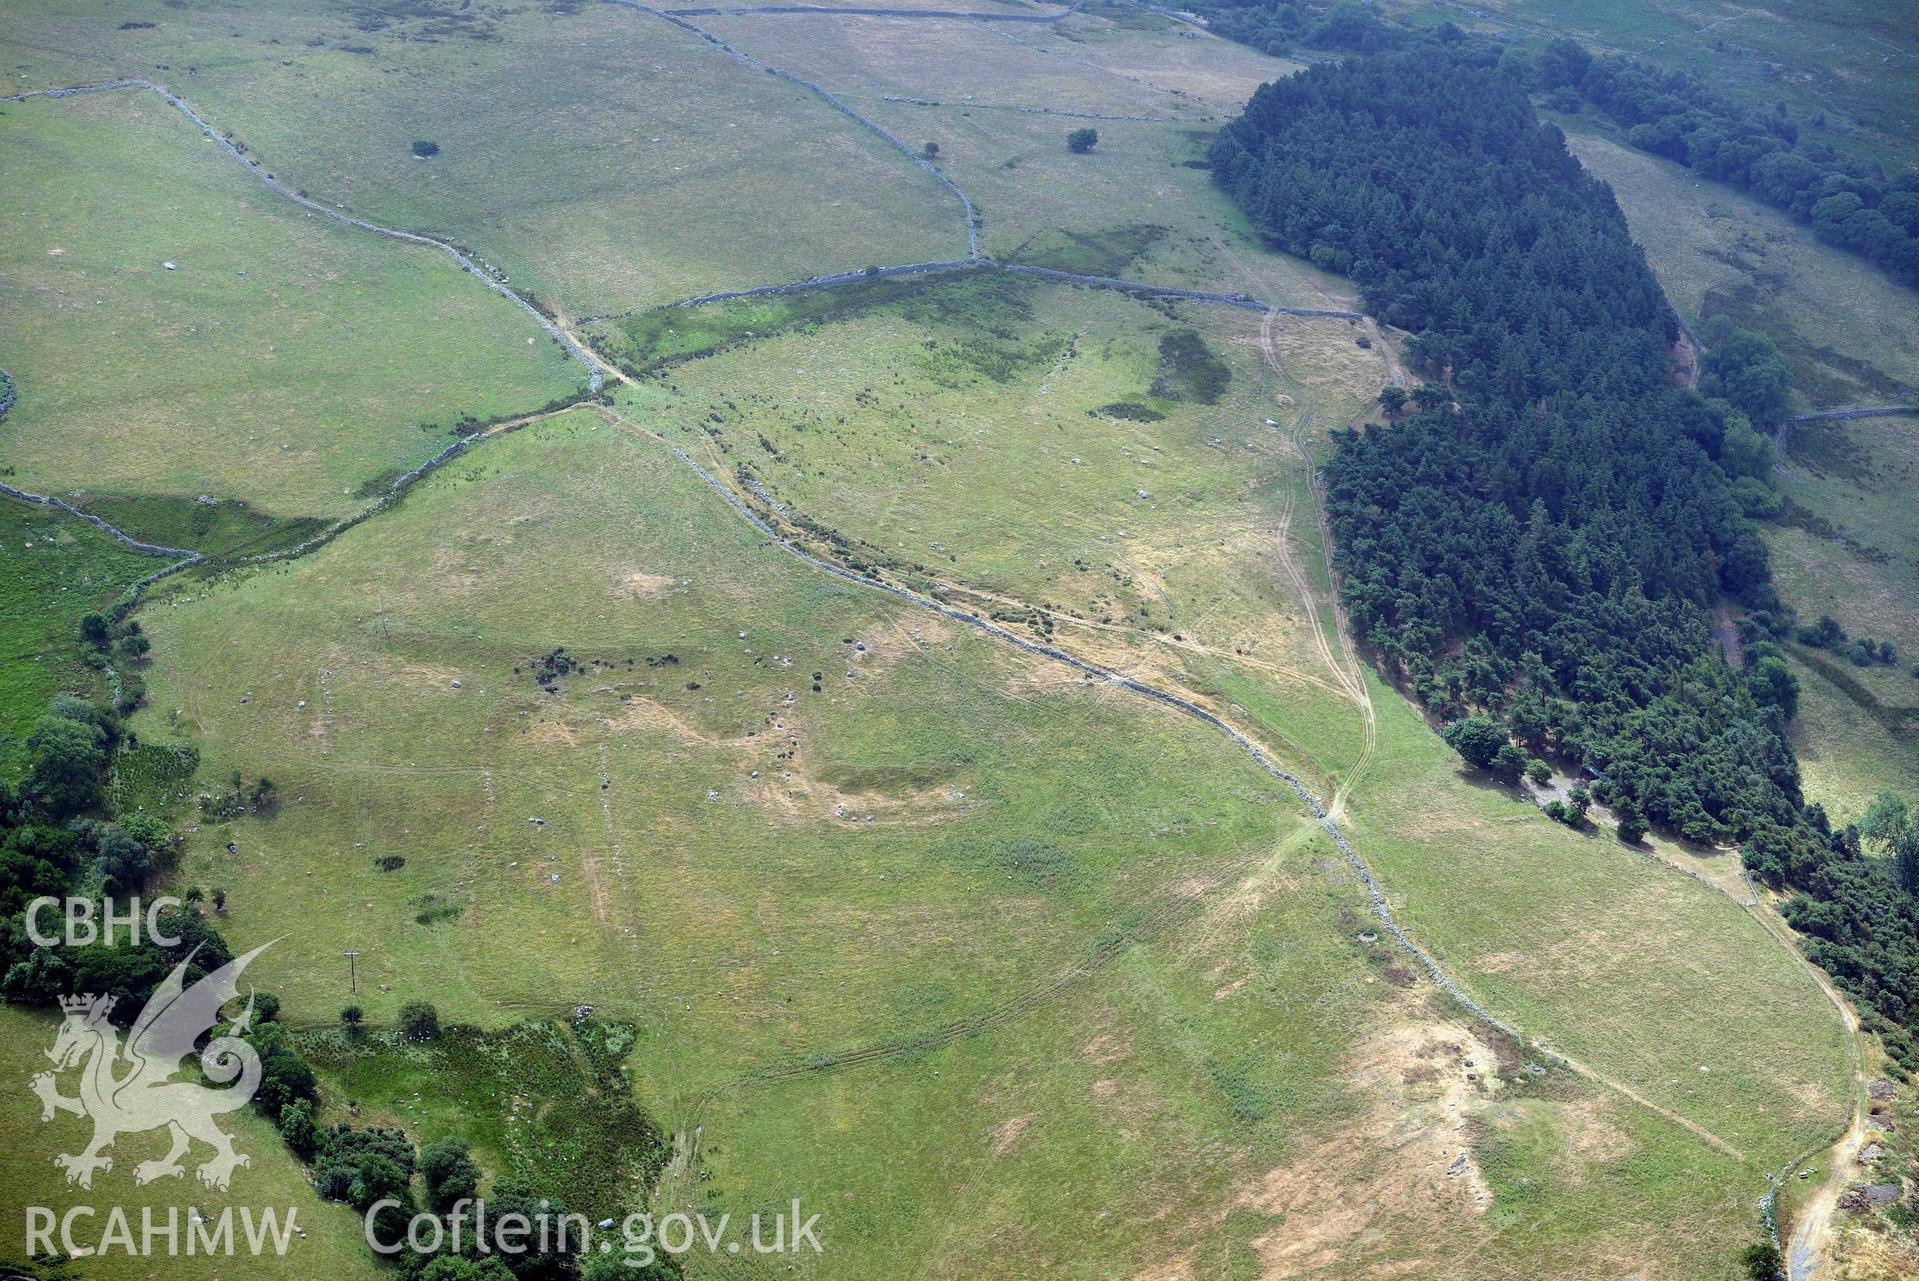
1880,1089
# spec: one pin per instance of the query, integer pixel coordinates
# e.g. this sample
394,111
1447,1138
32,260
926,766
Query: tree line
1848,200
60,837
1534,540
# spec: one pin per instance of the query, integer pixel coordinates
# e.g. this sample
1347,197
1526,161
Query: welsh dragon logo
126,1090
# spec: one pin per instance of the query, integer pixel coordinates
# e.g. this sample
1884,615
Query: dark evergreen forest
1534,541
1848,201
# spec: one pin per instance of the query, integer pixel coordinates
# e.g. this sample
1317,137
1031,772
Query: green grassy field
1850,333
1163,537
649,177
1581,939
996,967
1847,755
502,536
287,361
1072,921
1015,835
603,158
1109,1120
966,65
1030,470
328,1241
1115,63
53,570
917,78
1850,548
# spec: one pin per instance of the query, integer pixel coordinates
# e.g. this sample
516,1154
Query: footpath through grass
758,866
863,896
1015,485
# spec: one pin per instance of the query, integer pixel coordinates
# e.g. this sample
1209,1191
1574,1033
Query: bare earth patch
638,585
1008,1132
1108,1047
1403,1172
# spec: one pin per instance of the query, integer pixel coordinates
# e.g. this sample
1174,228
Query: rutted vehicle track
1325,820
1168,906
